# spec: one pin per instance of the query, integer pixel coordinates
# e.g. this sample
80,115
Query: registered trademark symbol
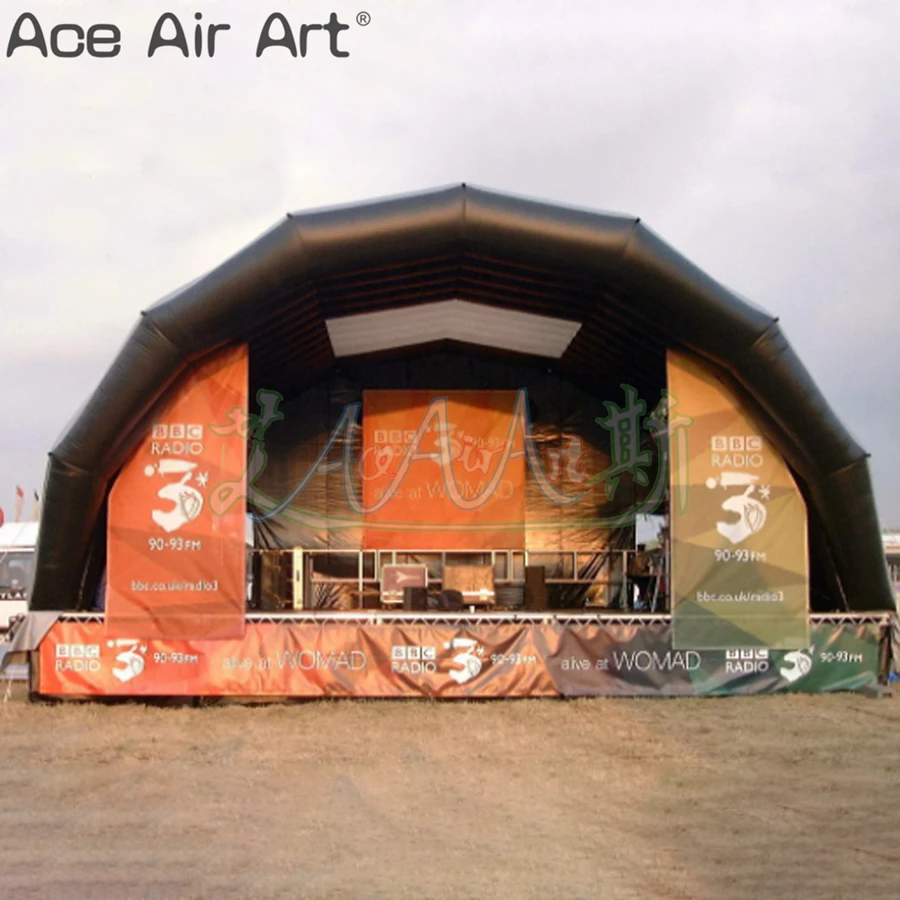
363,18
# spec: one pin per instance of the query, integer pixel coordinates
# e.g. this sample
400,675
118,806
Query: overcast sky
760,139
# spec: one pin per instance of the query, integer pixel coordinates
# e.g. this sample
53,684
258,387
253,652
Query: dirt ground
770,797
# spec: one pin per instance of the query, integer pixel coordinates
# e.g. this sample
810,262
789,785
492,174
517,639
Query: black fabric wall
557,409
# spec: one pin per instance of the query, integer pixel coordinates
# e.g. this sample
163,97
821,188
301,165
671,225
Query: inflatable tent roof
632,294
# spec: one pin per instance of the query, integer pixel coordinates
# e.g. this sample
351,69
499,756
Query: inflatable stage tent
461,372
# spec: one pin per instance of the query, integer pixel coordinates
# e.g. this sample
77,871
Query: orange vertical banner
175,568
740,563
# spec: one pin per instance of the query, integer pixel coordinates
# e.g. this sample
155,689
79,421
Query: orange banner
442,470
445,660
176,569
740,567
303,660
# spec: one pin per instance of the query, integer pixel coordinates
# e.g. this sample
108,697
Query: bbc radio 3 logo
130,658
78,658
467,660
747,662
413,660
736,451
793,667
176,439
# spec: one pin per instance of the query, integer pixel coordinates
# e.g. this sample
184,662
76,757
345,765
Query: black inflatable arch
609,271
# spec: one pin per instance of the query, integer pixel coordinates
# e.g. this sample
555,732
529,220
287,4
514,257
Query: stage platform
490,654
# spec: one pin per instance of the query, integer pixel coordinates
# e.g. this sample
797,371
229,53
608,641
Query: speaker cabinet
535,588
415,598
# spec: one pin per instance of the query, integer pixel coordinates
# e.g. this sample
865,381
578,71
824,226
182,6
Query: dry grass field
789,797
